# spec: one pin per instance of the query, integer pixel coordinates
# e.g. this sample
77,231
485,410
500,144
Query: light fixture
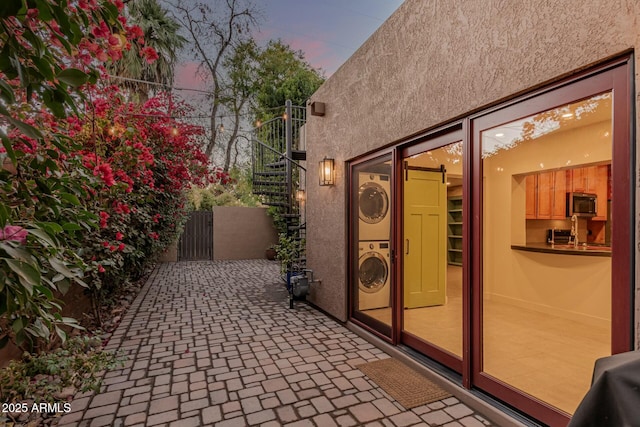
327,171
221,127
567,115
301,196
499,135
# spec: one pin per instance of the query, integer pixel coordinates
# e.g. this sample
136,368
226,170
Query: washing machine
374,206
374,275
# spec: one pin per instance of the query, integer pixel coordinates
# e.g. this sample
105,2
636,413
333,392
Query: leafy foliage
283,73
77,364
49,50
161,33
233,189
288,250
89,191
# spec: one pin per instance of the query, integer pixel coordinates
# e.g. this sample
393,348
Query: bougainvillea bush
91,186
142,161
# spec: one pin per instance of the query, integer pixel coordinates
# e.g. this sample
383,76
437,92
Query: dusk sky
327,31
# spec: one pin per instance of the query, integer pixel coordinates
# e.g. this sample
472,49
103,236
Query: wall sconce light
327,171
301,196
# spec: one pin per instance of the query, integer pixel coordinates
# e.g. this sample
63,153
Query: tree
220,35
160,32
283,73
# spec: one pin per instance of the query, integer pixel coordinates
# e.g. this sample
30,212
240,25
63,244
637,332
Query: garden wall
238,233
242,233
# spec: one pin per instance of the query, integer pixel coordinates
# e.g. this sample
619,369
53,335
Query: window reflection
547,307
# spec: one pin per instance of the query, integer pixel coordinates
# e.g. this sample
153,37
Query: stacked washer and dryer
374,267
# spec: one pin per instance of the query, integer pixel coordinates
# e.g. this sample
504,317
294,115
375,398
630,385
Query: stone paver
214,343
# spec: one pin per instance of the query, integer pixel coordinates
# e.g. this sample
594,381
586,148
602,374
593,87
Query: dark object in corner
612,400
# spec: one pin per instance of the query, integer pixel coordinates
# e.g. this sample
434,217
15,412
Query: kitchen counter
564,249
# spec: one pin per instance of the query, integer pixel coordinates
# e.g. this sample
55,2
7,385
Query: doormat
408,387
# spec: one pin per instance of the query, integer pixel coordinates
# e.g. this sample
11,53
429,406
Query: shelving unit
454,230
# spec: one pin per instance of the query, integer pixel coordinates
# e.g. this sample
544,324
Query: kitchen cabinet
546,195
454,230
559,195
601,188
530,183
595,180
546,192
584,180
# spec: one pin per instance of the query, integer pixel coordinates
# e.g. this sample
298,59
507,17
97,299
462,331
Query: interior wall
565,285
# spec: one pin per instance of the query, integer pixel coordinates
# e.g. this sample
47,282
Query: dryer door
373,202
373,272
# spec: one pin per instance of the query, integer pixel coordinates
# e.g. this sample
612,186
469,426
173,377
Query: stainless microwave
582,204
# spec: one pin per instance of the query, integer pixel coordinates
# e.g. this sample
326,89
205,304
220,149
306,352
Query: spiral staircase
279,178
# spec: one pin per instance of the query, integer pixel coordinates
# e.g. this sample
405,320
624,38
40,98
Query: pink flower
103,219
135,32
100,268
121,247
149,54
114,40
104,171
119,236
14,233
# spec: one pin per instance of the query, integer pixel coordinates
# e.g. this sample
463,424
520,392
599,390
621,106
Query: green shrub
77,364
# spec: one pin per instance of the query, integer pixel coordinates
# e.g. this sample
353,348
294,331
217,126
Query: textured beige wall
241,233
431,62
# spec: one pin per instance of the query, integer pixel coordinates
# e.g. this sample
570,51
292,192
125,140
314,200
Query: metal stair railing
277,174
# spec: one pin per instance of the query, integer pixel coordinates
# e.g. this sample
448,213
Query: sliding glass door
432,177
501,247
551,191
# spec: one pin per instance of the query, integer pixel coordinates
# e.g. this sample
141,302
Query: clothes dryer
374,191
374,275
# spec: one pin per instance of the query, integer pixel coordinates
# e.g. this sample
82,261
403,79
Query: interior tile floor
549,357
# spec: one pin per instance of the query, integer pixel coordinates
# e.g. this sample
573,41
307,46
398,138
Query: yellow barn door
425,238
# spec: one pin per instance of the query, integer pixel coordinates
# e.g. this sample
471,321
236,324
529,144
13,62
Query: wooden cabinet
546,192
559,195
584,180
530,183
601,188
546,195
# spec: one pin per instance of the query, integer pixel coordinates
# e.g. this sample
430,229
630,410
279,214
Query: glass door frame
425,142
381,330
613,77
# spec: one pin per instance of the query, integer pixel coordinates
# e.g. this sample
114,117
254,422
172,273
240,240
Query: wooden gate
196,242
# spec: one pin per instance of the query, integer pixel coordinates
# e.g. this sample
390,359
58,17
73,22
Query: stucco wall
434,61
241,233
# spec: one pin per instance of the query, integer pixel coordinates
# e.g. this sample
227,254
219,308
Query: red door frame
613,77
450,134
